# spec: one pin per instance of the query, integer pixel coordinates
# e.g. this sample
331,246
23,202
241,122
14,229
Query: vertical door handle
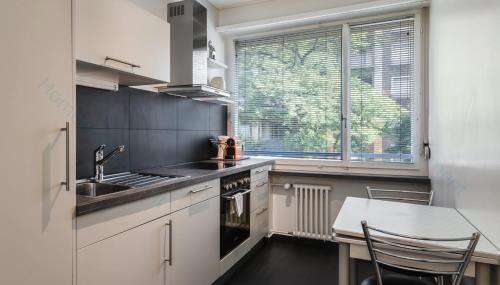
169,259
66,183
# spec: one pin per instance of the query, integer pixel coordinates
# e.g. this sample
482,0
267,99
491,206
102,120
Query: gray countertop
86,205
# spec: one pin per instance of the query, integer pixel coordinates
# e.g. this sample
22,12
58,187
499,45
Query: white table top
409,219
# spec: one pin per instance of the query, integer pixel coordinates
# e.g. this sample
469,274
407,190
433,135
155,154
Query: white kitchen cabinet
259,198
36,210
260,173
195,244
133,257
120,35
259,224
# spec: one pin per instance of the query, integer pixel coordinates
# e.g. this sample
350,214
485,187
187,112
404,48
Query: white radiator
312,211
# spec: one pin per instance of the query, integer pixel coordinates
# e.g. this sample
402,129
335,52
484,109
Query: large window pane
382,92
289,95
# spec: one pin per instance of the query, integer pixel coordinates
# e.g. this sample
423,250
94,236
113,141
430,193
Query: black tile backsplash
193,145
102,109
153,148
193,115
152,111
156,129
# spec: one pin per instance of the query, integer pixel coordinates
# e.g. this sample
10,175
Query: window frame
419,167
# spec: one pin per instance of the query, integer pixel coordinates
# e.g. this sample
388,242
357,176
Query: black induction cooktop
208,165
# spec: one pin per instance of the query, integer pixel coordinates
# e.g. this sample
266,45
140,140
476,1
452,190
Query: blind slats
289,94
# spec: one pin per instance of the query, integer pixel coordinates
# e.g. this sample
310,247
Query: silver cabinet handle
262,212
261,184
202,189
259,171
66,183
121,61
169,259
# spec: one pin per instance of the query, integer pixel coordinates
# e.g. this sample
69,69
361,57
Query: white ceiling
225,4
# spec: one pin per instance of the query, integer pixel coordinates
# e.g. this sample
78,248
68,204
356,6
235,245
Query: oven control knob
227,186
235,184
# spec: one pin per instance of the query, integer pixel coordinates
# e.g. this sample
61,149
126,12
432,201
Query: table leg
353,273
497,274
483,274
344,264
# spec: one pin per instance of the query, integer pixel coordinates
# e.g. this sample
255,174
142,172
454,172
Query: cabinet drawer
259,197
100,225
259,225
260,173
188,196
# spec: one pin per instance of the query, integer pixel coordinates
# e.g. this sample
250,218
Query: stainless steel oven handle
232,196
201,189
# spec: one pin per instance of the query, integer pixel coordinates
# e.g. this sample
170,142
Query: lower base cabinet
195,244
178,249
259,225
130,258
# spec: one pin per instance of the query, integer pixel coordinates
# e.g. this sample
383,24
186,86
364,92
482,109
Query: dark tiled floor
284,260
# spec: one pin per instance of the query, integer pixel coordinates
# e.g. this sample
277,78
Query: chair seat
397,280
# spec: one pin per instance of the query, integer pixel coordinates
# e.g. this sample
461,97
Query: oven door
234,229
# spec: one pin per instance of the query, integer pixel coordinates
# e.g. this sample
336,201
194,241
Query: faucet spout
110,155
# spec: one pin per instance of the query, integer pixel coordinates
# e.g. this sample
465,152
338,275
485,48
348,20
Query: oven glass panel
234,229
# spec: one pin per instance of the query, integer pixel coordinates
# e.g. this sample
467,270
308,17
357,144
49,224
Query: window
290,94
382,111
289,91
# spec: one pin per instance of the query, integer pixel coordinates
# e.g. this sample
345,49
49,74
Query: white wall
464,102
278,8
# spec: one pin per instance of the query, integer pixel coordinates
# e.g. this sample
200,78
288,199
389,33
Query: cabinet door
134,257
195,244
124,31
36,211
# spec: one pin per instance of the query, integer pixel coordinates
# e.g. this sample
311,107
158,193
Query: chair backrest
418,256
415,197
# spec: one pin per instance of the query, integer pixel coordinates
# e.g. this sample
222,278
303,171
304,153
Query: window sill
325,166
371,177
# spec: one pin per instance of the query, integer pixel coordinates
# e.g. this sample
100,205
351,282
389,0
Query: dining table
413,220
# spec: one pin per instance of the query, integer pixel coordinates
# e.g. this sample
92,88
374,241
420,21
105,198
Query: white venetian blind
288,93
382,91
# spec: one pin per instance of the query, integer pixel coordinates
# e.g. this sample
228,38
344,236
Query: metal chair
414,256
416,197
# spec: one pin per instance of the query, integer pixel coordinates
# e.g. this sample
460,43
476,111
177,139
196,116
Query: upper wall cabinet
118,42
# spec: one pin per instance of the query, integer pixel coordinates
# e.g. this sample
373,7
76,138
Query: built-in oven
234,219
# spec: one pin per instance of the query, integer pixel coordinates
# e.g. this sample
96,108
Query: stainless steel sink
123,181
95,189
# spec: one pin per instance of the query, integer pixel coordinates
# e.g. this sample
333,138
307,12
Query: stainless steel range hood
189,52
